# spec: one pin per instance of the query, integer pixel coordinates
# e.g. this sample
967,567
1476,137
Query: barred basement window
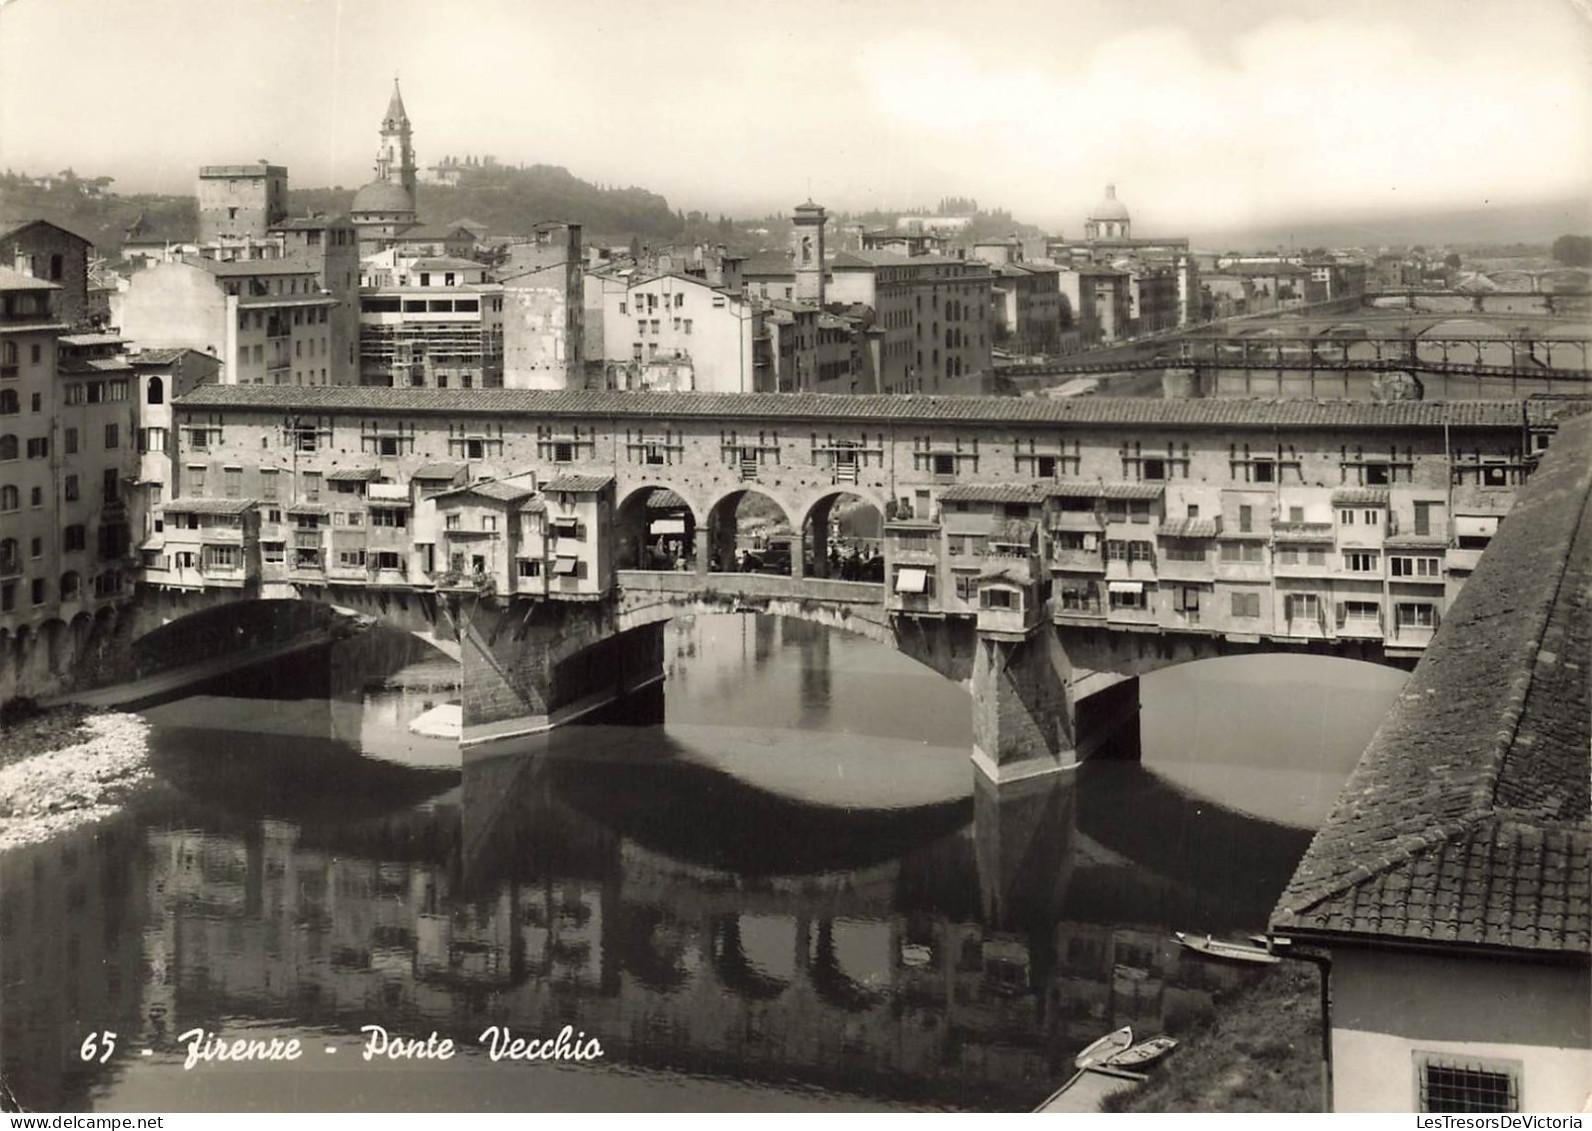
1454,1084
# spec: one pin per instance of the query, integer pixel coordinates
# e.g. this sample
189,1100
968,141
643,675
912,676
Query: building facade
238,203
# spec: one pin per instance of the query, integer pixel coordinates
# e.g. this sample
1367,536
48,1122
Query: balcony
1078,561
1182,569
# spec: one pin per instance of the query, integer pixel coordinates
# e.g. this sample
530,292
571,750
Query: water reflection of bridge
963,970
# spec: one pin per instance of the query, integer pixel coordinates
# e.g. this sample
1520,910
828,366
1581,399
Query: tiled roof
12,230
353,475
306,508
534,505
229,267
577,483
16,281
208,506
928,410
1189,528
159,356
82,366
992,493
446,263
664,499
437,470
1467,820
498,489
1360,496
1098,490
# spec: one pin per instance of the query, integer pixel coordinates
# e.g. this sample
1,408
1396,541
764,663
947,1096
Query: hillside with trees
86,206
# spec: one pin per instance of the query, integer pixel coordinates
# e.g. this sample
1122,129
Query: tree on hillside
1573,251
1452,260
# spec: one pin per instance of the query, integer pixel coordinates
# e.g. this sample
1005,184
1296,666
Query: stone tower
807,251
395,159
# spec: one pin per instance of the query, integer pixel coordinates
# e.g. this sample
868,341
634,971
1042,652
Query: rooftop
209,506
576,483
881,408
498,489
16,281
1466,821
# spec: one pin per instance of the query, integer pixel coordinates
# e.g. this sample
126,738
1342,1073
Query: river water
771,882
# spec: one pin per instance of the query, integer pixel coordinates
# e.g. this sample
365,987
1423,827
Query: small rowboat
1106,1047
1234,952
1142,1054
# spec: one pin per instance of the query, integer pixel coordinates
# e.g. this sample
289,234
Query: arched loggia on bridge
750,532
655,528
843,537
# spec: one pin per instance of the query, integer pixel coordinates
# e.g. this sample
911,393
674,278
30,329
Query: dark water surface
773,882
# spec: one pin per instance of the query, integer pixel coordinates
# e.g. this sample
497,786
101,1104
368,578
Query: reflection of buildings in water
70,960
826,978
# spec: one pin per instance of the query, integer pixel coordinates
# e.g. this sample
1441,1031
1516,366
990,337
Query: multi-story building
1100,301
544,332
1293,522
934,313
159,376
238,203
436,323
68,454
680,332
269,321
48,251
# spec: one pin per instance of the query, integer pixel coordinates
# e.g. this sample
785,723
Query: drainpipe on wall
1323,964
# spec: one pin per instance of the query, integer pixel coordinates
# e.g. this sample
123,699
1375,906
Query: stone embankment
67,768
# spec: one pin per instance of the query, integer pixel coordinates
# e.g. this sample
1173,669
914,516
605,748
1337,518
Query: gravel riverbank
67,768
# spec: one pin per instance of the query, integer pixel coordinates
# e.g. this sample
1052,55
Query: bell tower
395,157
807,251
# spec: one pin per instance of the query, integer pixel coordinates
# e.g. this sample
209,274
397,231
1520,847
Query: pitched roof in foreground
885,408
1466,821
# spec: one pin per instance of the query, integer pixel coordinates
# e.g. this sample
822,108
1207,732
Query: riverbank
1262,1052
67,767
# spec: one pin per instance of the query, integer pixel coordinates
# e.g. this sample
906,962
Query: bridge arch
855,515
657,526
769,546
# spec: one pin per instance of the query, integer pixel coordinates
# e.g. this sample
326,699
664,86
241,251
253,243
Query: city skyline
1230,116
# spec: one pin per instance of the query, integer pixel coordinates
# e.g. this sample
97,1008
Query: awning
1126,586
1475,526
566,566
668,526
912,581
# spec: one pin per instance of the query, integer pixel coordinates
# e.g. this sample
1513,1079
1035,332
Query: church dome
382,196
1109,208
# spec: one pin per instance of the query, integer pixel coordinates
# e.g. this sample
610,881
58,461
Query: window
155,391
8,596
452,522
1361,610
304,439
10,403
268,482
39,447
388,559
1116,550
1415,567
74,538
1360,562
1243,552
489,522
1302,606
563,453
71,583
1423,518
389,516
38,591
1371,518
312,486
1346,518
1491,475
1153,469
1139,552
8,447
1264,471
273,553
233,477
1129,598
999,599
10,498
351,559
1466,1084
1246,519
69,485
154,440
1415,616
36,496
945,465
1375,474
108,485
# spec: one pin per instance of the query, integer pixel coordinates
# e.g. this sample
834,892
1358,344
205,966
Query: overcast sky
1206,113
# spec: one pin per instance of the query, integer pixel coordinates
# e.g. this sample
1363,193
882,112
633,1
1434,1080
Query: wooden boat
1270,942
1233,952
1142,1054
1105,1048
